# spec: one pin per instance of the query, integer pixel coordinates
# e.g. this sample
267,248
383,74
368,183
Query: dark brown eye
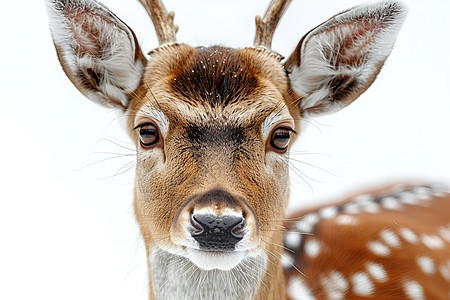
148,135
280,139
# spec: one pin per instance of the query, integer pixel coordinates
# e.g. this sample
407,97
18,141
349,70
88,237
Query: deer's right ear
98,52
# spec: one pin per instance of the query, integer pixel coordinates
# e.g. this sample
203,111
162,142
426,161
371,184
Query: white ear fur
338,60
98,52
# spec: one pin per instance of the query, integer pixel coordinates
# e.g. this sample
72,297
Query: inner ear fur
338,60
98,52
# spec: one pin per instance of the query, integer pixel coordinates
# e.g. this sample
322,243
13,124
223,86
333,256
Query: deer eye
280,139
148,134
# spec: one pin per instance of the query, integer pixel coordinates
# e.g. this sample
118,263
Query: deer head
213,125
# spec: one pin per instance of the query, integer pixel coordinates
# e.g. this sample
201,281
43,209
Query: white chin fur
215,260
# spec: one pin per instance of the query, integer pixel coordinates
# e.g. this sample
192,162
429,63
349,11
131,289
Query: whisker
298,173
293,266
304,153
236,280
275,244
133,269
180,263
116,153
117,144
100,161
122,170
314,166
272,255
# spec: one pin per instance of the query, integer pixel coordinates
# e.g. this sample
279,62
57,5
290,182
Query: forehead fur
218,77
213,80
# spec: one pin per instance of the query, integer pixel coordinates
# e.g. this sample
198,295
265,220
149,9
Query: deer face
212,132
212,126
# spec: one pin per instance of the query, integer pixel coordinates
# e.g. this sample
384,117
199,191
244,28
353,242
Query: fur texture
99,53
215,109
338,60
176,277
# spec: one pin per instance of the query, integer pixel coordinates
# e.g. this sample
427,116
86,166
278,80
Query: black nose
217,233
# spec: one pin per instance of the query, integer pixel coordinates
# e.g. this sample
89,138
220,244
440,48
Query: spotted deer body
213,127
392,243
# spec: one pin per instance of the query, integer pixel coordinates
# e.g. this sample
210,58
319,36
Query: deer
213,127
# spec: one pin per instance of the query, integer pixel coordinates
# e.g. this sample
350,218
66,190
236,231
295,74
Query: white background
66,227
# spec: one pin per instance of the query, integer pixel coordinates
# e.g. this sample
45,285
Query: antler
266,26
163,21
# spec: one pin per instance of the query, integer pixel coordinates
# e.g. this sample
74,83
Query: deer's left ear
338,60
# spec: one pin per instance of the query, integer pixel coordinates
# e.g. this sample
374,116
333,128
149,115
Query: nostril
238,230
217,233
198,228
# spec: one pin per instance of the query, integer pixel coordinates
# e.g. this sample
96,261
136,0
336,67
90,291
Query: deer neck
176,277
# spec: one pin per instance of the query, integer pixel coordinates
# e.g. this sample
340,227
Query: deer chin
209,260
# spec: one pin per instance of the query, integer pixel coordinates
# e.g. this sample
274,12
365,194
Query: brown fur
344,248
230,91
216,100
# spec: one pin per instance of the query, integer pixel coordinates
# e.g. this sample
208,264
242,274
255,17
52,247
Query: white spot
328,212
307,223
298,290
371,207
311,218
292,239
346,220
390,238
362,285
426,264
338,280
414,290
423,193
445,272
312,247
390,203
303,226
409,235
376,271
335,285
378,248
287,260
445,233
439,191
407,197
432,241
352,208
